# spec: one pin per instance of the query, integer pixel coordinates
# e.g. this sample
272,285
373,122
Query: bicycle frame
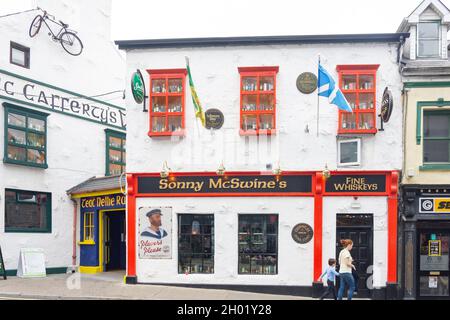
46,17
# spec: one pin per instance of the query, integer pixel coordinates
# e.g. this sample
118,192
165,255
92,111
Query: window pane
16,120
249,84
266,84
249,123
115,156
366,121
436,125
115,142
36,124
349,82
17,154
436,151
115,169
35,156
349,152
159,104
26,215
18,56
266,102
36,140
159,124
249,102
349,121
175,104
429,48
351,98
366,101
16,136
267,121
175,123
159,86
175,85
366,82
429,30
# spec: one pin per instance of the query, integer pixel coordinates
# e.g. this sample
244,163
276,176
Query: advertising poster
155,233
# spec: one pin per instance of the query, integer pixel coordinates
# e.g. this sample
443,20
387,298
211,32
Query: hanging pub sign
434,205
356,184
155,233
307,82
226,185
138,87
214,119
2,265
302,233
387,105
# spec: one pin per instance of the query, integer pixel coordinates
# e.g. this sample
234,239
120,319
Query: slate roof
96,184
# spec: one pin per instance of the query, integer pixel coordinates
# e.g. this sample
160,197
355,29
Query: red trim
360,67
166,71
319,186
392,227
131,226
258,69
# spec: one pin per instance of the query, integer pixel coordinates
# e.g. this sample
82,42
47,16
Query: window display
115,152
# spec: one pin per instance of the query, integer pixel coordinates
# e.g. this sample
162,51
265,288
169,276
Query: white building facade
54,113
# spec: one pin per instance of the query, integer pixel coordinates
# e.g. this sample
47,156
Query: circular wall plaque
302,233
214,119
307,82
387,105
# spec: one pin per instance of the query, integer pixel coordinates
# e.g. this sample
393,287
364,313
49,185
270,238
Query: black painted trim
264,40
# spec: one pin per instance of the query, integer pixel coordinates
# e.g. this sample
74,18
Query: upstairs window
429,39
115,152
167,102
436,135
258,100
19,55
358,83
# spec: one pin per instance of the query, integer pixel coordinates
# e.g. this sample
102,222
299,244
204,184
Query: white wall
76,148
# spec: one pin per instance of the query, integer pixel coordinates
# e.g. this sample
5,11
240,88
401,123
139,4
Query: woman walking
345,270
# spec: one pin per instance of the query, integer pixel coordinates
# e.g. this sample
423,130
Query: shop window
88,227
358,83
167,102
27,211
195,244
19,55
258,244
429,39
436,144
115,153
258,100
26,137
349,152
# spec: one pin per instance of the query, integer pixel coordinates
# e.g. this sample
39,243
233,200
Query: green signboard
138,87
2,265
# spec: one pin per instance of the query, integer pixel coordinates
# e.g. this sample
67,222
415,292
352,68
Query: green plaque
307,82
138,87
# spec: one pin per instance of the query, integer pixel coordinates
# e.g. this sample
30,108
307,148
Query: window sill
368,132
435,167
246,133
26,164
181,133
13,230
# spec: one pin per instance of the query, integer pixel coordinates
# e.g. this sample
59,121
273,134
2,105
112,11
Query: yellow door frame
101,215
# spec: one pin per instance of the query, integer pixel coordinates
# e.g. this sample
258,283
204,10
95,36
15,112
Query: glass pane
36,124
249,84
431,286
175,85
266,102
429,48
349,152
16,136
267,121
36,140
184,264
159,124
159,104
266,84
115,142
115,156
366,101
434,251
159,86
249,122
366,121
436,125
256,265
16,120
270,265
17,154
351,98
18,56
349,82
36,156
366,82
115,169
124,157
249,103
244,264
429,30
175,123
349,121
175,104
25,215
436,151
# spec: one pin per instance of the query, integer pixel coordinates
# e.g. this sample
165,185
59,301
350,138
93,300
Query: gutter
74,234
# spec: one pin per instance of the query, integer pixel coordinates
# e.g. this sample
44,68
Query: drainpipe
74,243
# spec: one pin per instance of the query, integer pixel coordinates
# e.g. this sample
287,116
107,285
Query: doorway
433,264
359,228
114,230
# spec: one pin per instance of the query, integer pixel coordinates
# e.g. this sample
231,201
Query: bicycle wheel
71,43
35,26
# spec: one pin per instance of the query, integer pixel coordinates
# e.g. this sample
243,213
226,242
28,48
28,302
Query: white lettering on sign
23,90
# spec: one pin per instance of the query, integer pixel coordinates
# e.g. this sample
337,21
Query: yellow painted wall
413,152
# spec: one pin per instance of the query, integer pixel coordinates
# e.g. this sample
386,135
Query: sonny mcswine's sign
36,94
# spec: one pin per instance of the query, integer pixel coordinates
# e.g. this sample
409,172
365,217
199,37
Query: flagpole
318,98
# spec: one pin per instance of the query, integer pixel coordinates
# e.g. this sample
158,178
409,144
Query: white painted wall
76,148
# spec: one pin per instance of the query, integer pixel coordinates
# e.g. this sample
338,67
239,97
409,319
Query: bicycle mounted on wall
68,38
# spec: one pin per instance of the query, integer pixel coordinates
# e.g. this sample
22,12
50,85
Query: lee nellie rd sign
18,89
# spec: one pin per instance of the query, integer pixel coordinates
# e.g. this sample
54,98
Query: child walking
331,274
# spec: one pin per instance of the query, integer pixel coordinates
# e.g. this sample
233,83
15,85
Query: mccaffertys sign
245,184
36,94
356,184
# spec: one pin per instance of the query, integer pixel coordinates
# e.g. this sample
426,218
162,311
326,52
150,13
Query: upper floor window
19,55
436,141
258,100
358,83
429,39
115,152
167,102
26,137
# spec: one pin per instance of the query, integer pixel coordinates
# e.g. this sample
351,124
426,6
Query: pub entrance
358,228
114,231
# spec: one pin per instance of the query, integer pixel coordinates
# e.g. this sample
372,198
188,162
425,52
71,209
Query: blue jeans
346,279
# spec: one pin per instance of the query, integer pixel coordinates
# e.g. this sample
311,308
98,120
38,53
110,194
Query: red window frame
358,71
166,75
258,73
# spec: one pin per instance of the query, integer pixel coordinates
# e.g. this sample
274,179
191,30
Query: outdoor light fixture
221,170
165,171
277,171
326,173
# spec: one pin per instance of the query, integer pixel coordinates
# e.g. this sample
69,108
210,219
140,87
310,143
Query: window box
349,153
115,152
258,101
358,84
167,102
25,137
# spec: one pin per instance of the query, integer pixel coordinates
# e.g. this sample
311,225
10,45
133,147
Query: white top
344,268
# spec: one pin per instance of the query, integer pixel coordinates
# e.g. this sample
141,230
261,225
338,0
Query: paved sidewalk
111,286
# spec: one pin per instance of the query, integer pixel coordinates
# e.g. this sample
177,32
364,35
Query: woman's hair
332,262
346,242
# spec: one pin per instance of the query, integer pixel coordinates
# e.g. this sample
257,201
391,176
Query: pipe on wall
74,241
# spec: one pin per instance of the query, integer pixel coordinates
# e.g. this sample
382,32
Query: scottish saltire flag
197,105
329,89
